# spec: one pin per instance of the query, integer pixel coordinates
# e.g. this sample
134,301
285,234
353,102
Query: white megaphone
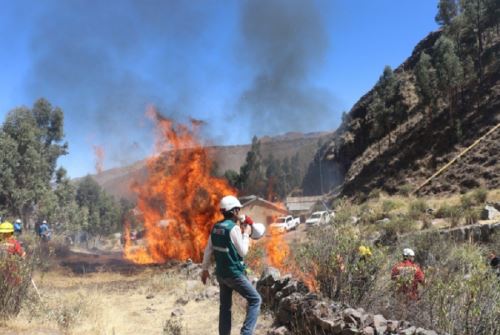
258,230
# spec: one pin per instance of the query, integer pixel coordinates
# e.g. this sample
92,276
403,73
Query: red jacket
407,275
9,270
13,247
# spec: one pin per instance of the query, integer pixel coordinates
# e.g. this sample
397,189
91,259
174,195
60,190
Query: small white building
303,206
261,210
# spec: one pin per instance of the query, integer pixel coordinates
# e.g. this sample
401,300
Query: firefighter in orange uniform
10,248
408,275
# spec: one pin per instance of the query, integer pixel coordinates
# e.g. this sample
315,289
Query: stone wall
479,232
298,311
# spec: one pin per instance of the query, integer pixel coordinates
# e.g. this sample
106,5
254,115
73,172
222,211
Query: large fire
178,202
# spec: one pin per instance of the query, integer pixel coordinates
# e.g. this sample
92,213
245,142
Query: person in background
7,241
44,231
18,227
494,261
229,242
408,275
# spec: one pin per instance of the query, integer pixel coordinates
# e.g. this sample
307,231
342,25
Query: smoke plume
101,62
283,42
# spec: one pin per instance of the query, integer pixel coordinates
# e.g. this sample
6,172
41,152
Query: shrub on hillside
375,193
471,215
480,195
400,225
452,213
342,273
388,205
417,208
405,190
461,295
467,201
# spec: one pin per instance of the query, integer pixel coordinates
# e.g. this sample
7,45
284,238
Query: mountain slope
358,158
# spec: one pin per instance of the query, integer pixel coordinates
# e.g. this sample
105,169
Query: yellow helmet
6,227
364,251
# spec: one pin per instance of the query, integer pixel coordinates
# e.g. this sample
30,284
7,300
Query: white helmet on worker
228,203
258,230
407,252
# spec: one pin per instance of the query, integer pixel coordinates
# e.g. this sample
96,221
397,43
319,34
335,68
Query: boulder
368,331
489,213
379,323
269,276
408,331
351,331
182,301
279,331
177,312
392,326
352,316
294,286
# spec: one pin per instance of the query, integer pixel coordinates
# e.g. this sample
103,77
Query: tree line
269,178
33,187
447,76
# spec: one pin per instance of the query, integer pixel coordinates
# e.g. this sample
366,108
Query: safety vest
228,263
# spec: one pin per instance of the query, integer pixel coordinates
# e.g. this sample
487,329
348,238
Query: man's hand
204,276
247,229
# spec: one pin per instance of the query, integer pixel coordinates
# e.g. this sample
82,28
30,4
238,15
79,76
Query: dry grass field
114,303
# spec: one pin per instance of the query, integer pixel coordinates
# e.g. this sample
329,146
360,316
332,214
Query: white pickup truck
319,218
284,224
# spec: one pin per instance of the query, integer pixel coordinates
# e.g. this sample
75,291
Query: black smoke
284,42
82,53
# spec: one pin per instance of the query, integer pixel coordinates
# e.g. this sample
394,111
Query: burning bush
179,201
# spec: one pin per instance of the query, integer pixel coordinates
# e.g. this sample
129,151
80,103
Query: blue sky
245,67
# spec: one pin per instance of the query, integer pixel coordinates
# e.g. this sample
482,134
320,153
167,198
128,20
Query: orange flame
280,256
179,201
99,157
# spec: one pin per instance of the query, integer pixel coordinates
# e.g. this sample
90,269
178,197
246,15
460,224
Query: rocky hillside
117,181
418,117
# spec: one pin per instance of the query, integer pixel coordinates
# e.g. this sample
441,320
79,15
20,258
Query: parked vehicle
319,218
284,224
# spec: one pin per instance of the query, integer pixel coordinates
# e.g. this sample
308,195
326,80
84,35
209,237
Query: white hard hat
229,202
258,230
44,221
408,252
18,221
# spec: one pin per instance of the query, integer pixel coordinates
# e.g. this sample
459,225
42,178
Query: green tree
425,76
448,68
251,174
295,171
31,143
286,176
447,10
104,213
379,113
274,188
232,177
477,14
386,88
